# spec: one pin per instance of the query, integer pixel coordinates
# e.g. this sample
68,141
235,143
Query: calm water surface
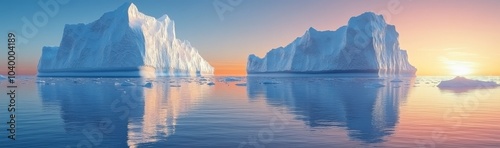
322,111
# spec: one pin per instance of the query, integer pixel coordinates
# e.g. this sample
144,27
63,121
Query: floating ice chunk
375,85
270,82
148,85
396,80
127,83
462,82
210,83
40,81
241,84
2,77
231,79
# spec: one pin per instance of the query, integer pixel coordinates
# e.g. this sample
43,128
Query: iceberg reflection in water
319,111
367,107
105,113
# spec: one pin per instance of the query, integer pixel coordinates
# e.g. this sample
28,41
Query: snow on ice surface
340,51
124,42
462,82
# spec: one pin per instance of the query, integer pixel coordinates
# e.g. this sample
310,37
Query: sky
446,37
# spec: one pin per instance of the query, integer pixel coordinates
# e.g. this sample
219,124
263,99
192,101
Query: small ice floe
241,84
148,84
117,83
52,83
40,81
127,83
231,79
396,80
269,82
329,79
462,82
175,85
374,85
210,83
2,77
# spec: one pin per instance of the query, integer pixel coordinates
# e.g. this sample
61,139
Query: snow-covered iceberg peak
123,42
366,45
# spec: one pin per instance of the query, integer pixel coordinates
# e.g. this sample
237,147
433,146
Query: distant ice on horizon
462,82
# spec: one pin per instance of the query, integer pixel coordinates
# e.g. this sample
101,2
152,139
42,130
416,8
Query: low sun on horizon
460,70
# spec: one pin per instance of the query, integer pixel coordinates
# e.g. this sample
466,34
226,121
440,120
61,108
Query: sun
460,70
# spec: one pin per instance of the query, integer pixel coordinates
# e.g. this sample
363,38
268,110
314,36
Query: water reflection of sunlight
162,107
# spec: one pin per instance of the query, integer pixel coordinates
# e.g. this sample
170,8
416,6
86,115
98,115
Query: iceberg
462,82
366,45
123,42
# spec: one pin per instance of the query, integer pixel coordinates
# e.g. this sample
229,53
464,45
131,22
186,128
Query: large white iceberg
366,45
124,42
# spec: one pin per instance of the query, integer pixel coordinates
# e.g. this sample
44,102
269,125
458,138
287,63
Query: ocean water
286,111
